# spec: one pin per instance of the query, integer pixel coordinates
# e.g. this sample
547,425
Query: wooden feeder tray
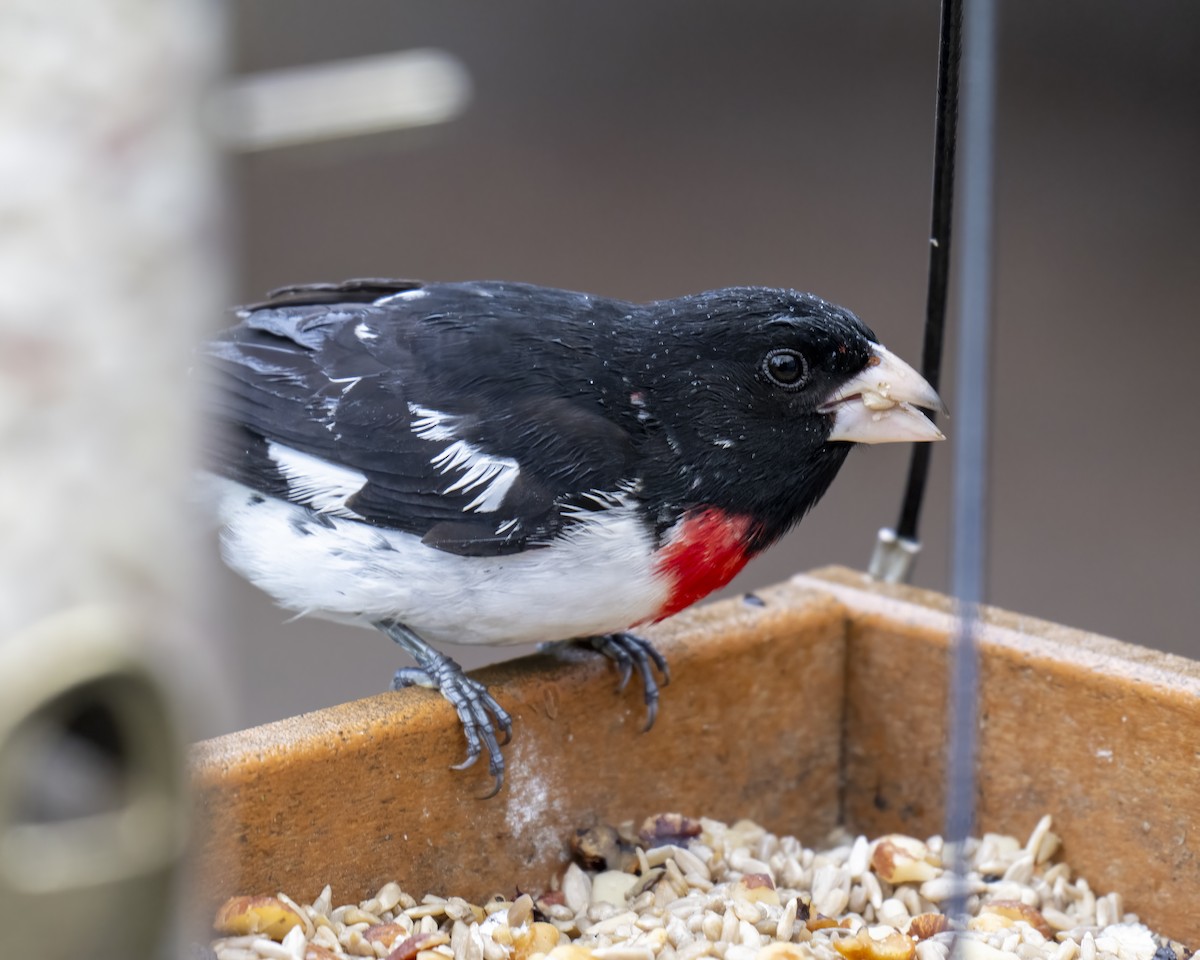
825,706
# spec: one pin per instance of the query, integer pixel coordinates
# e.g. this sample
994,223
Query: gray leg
470,698
628,651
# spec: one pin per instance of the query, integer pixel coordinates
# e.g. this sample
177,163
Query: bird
494,462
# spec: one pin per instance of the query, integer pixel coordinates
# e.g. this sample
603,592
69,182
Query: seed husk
689,889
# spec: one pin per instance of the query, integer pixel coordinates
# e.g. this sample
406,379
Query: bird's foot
478,712
482,718
628,651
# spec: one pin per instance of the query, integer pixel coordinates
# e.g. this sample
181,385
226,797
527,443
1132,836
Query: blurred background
648,150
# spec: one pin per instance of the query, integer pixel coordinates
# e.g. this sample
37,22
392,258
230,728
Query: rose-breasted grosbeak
504,463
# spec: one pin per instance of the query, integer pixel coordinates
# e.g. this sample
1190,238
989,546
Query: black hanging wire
945,137
896,549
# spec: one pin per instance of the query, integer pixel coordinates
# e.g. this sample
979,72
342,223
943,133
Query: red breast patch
705,554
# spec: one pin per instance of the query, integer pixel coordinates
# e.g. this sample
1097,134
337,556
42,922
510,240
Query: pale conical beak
879,405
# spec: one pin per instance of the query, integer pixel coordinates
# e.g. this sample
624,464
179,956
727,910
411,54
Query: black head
738,378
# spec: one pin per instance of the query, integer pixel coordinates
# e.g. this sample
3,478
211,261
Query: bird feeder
823,705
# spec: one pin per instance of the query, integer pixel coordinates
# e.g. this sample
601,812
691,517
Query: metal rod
971,434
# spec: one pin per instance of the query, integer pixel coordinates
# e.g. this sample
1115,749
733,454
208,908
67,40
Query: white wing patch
350,383
329,405
620,499
414,294
429,424
365,333
495,475
322,485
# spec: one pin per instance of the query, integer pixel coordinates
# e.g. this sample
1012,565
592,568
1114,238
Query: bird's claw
628,651
478,712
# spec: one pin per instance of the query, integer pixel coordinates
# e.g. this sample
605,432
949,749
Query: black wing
480,417
361,290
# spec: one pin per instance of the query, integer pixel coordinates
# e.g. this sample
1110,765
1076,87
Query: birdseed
681,889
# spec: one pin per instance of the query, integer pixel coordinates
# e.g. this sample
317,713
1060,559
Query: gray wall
645,150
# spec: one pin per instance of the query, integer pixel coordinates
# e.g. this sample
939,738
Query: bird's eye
786,368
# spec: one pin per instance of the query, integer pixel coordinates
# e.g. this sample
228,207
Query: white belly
600,580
